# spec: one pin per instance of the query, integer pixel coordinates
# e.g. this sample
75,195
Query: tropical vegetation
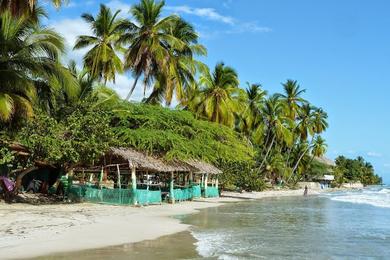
66,116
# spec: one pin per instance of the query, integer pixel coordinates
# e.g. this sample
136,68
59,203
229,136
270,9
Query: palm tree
217,94
250,116
101,60
182,64
148,37
277,125
29,65
292,98
24,7
320,123
318,147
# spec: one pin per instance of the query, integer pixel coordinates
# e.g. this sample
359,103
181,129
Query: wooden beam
133,181
171,189
119,176
205,184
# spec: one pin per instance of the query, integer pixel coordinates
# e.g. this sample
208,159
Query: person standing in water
305,192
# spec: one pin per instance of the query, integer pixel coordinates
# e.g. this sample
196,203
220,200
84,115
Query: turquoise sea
337,225
341,225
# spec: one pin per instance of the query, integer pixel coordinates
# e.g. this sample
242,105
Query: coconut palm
182,63
24,7
148,38
29,65
320,123
292,97
318,147
277,125
217,93
102,60
253,98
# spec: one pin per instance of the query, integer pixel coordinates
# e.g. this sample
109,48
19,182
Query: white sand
29,231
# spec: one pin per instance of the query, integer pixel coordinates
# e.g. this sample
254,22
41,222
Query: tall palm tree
250,116
24,7
29,65
217,94
320,123
318,147
278,125
148,37
292,97
102,60
182,63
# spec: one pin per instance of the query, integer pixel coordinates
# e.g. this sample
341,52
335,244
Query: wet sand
177,246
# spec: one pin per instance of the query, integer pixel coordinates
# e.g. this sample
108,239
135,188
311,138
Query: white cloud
208,13
251,27
374,154
70,29
387,165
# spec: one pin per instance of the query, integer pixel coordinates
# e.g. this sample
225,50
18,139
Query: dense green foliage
66,118
352,170
177,134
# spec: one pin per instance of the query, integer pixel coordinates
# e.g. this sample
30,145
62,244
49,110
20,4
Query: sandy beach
30,231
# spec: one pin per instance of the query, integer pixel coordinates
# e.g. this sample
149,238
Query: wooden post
133,182
147,180
202,181
216,182
171,188
119,176
205,184
191,178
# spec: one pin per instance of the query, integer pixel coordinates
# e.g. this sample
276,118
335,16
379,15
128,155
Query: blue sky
339,51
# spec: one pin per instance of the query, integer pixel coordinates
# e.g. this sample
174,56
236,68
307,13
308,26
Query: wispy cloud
374,154
208,13
386,165
251,27
234,25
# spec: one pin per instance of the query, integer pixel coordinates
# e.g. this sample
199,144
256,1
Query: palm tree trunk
132,88
268,150
297,164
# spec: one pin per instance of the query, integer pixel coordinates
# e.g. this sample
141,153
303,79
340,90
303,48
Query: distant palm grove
67,116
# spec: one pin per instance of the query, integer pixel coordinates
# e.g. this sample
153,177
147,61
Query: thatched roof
203,167
146,162
326,161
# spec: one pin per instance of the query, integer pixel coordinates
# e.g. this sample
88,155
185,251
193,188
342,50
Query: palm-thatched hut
148,179
207,176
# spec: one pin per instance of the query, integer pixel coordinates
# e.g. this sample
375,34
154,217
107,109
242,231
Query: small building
326,181
126,176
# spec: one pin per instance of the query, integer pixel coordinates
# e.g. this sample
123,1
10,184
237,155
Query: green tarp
114,196
211,192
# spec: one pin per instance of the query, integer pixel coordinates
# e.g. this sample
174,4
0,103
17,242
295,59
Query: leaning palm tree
278,126
250,115
320,123
24,7
217,95
102,60
182,65
29,65
147,38
292,97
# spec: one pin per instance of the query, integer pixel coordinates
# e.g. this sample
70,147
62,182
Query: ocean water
342,225
337,225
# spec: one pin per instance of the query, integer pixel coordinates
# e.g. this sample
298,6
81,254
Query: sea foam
373,197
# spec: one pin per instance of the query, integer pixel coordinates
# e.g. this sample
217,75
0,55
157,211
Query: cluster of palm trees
161,53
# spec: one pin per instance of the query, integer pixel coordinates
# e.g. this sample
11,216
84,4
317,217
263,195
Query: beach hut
127,176
206,177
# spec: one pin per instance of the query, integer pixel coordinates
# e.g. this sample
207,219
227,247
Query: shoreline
28,231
